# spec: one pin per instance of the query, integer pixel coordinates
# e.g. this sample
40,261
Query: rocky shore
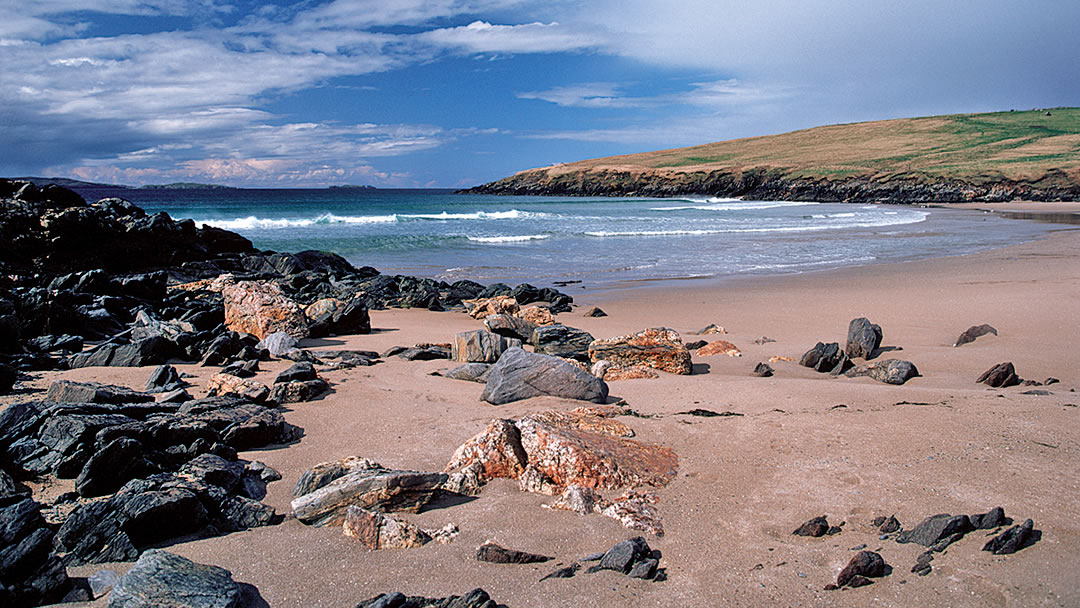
200,419
763,184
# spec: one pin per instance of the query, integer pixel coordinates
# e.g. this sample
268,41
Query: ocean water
603,242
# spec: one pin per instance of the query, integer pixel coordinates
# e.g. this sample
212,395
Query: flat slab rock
164,580
477,598
521,375
658,347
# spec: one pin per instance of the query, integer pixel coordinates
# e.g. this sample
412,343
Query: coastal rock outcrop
658,348
163,579
30,574
261,308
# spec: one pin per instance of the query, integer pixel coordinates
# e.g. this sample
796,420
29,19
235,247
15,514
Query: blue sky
449,93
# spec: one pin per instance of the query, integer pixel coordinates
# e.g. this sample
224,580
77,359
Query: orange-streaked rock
615,373
658,348
539,315
497,449
221,385
482,307
260,308
719,347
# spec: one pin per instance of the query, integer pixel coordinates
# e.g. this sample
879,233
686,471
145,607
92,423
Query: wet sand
806,444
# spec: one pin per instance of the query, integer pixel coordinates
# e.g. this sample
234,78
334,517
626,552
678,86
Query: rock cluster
477,598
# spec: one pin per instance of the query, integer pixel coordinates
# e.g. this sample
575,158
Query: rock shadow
698,369
447,500
250,597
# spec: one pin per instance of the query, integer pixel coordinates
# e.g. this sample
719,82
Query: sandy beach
804,444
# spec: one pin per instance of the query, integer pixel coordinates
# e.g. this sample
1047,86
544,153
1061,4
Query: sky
453,93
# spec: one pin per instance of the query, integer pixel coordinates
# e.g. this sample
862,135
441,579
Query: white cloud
484,37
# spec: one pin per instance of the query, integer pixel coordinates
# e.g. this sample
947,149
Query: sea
606,242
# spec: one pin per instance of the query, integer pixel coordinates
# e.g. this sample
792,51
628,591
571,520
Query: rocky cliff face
761,184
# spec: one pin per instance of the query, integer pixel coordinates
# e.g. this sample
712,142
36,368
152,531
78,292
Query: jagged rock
491,552
50,343
568,454
580,500
696,344
866,564
711,328
163,379
595,312
658,348
333,316
520,375
510,326
146,325
30,574
1012,540
150,351
69,391
887,525
473,372
300,371
480,346
719,347
382,531
164,580
242,369
889,371
229,345
297,391
111,466
372,487
826,358
635,510
326,472
973,332
816,527
497,449
922,565
224,385
863,338
990,520
632,557
8,377
482,307
261,308
1000,376
537,315
477,598
614,373
763,370
208,496
935,528
423,352
561,341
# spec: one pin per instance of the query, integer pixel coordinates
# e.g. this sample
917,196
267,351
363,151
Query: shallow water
602,241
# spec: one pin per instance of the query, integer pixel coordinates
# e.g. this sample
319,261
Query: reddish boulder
260,308
659,348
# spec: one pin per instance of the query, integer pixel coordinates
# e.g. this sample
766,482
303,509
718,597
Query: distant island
1031,155
65,182
186,186
351,187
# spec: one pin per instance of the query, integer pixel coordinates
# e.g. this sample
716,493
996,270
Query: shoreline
801,444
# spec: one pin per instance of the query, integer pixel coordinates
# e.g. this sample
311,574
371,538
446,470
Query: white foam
508,239
256,223
732,204
884,221
512,214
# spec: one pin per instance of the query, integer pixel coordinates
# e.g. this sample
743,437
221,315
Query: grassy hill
993,156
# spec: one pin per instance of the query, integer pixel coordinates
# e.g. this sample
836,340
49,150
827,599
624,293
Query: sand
806,444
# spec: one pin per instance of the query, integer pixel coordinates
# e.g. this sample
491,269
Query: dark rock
935,528
595,312
988,521
973,332
863,338
888,525
163,379
477,598
826,358
151,351
174,396
297,372
816,527
111,467
430,352
1013,539
473,372
343,319
763,370
8,377
566,572
645,568
50,343
1000,376
624,555
163,580
241,369
763,340
866,564
490,552
30,575
696,344
889,371
69,391
922,565
704,413
561,341
510,326
521,375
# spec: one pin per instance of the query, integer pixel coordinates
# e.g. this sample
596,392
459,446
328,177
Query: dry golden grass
973,147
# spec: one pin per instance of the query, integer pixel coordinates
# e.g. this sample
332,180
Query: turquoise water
602,241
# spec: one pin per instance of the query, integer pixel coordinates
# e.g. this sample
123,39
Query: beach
802,444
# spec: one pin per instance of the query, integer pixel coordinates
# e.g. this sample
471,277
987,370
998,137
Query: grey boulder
521,375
